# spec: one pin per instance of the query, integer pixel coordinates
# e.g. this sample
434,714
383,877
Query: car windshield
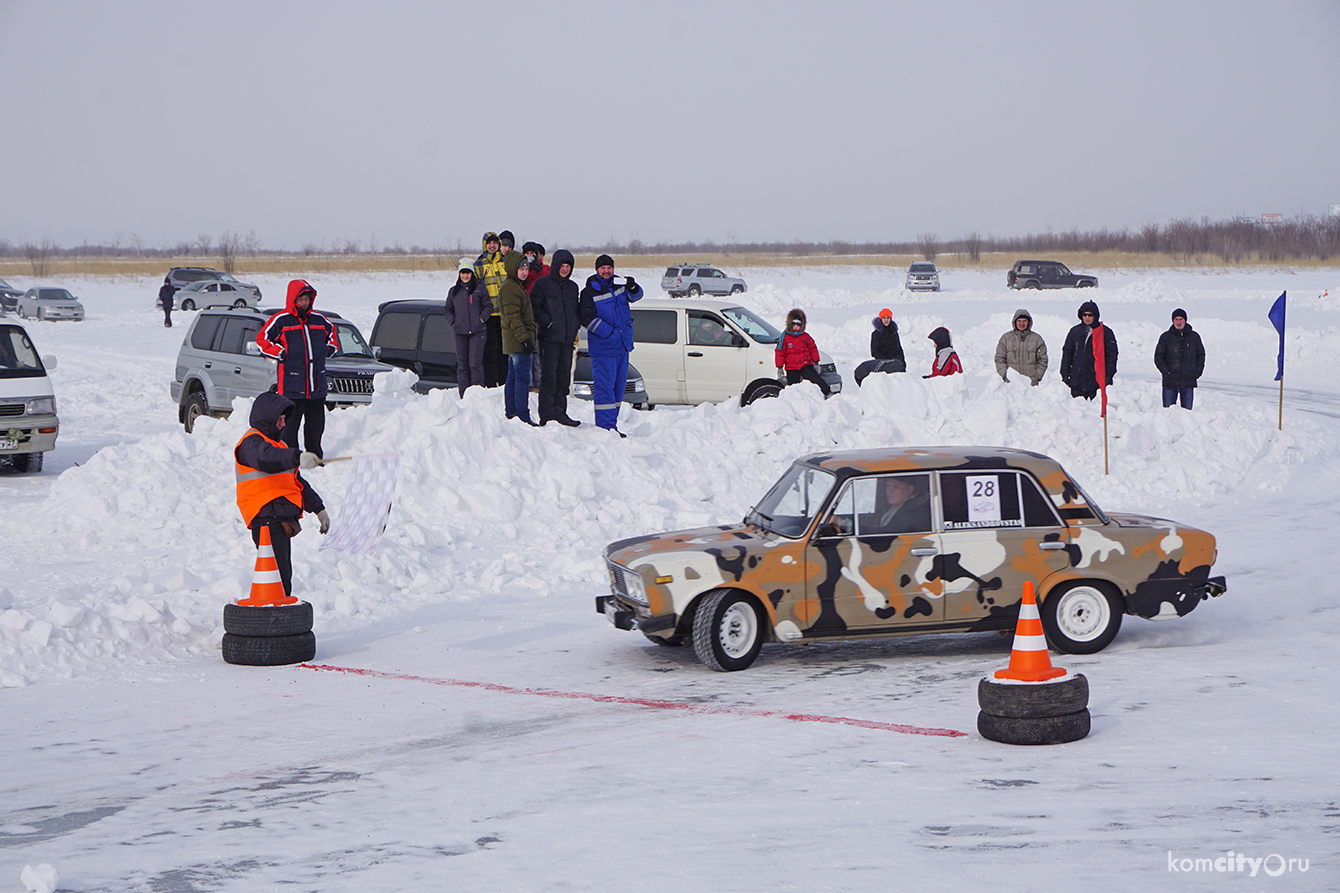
1102,515
923,268
4,284
351,341
54,294
196,286
758,329
226,277
18,358
794,501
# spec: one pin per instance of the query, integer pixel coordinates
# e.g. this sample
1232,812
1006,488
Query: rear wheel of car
196,406
760,391
1081,617
727,630
694,291
188,304
29,462
239,304
1032,284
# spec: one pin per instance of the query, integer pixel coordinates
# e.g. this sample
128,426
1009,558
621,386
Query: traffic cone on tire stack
1035,703
267,588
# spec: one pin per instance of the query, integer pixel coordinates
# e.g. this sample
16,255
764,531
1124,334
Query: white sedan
49,303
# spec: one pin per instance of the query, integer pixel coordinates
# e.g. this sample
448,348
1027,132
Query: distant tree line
1182,241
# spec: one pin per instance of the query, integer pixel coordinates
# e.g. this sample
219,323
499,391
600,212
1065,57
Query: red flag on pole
1100,363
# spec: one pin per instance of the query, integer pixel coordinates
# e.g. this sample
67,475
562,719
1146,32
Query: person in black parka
1180,356
885,347
1077,355
554,299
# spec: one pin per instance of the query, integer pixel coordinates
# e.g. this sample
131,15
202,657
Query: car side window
705,329
655,326
438,336
993,498
232,341
884,505
202,336
398,331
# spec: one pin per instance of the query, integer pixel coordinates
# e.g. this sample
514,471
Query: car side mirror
377,353
252,349
49,362
737,340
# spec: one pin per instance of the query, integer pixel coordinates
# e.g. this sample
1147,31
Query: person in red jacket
798,354
301,339
946,358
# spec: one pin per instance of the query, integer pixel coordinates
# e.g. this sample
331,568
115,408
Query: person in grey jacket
1022,350
468,310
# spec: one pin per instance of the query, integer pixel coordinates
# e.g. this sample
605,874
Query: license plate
7,444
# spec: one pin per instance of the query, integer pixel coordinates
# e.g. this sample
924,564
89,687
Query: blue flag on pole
1277,320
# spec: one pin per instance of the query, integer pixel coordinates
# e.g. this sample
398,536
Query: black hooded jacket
1077,354
255,452
1180,356
554,299
885,343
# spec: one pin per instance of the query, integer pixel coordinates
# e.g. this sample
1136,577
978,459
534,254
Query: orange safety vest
255,489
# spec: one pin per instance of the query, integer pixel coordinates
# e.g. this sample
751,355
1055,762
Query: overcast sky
320,122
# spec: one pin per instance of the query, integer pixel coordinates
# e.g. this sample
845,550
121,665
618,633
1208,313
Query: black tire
41,313
672,642
736,289
268,651
727,630
1032,284
1034,730
239,304
188,304
1081,617
196,406
694,291
29,462
758,392
276,620
1033,700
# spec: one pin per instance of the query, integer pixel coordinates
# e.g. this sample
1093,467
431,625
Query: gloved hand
528,347
781,375
324,517
309,460
629,283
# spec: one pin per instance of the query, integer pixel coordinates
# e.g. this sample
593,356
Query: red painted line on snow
645,702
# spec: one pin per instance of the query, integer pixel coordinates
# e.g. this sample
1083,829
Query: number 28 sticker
983,498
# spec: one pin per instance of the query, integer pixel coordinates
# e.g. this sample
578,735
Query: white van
28,423
693,351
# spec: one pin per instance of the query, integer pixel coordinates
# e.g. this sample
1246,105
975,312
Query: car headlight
639,385
41,406
581,390
637,590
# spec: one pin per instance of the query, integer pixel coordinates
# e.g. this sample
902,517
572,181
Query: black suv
1046,274
415,335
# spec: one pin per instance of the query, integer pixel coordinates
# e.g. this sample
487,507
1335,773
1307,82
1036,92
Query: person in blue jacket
603,310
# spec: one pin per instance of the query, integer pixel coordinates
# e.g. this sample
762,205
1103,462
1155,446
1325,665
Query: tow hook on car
605,604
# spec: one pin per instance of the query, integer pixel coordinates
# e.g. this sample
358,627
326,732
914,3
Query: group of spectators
1179,356
516,319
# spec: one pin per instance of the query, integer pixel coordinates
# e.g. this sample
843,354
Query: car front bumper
28,434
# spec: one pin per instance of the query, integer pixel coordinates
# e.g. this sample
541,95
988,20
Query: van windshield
755,327
18,358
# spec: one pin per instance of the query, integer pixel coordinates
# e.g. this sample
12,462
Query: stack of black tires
1053,712
269,635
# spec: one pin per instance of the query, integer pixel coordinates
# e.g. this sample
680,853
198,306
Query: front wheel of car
188,304
727,630
1081,617
736,289
758,392
196,406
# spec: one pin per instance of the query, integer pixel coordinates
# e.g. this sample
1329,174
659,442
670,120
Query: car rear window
397,331
672,271
656,326
992,498
438,336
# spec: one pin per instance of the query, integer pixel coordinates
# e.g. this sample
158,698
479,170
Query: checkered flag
367,505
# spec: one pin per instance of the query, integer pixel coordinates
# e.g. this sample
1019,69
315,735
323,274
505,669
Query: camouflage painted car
903,542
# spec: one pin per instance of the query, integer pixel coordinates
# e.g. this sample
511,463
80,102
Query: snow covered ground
505,736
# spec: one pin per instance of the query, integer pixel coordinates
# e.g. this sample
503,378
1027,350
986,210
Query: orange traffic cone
267,587
1029,661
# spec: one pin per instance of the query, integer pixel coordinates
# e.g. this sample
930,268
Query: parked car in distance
696,350
9,296
47,302
906,541
28,422
219,360
208,291
414,335
1046,274
922,276
693,279
181,277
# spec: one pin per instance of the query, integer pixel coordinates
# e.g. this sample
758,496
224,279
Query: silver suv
694,279
220,359
922,276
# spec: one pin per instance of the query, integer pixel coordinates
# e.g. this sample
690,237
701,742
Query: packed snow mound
485,505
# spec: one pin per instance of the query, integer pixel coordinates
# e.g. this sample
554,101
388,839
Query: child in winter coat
798,354
946,358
